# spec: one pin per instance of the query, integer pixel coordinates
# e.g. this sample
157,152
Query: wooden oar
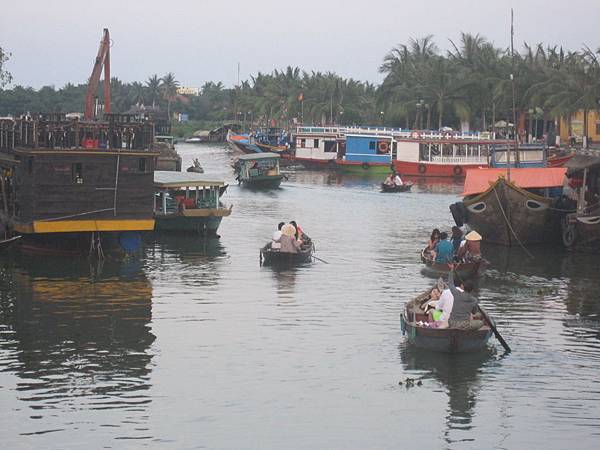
490,323
319,259
494,329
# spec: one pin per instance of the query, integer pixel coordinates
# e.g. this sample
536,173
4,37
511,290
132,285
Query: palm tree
153,86
168,89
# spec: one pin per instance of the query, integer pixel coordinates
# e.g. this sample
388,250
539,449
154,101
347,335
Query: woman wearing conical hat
471,250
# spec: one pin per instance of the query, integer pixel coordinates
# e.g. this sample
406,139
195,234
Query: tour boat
259,171
581,229
187,202
319,147
516,207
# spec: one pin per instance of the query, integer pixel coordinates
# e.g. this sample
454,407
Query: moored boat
188,203
396,188
259,171
469,269
520,210
448,340
241,143
581,228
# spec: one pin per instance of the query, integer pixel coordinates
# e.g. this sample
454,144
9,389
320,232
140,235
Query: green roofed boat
259,170
188,203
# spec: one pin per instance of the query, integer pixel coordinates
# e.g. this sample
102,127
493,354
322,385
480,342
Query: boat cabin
259,165
528,155
370,149
320,144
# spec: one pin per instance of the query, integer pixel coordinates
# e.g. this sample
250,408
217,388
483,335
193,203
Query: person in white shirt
276,239
398,180
445,305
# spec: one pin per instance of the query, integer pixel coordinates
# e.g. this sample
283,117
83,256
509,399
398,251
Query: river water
194,345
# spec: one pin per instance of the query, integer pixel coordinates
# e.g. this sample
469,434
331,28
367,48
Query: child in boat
389,181
444,252
276,238
433,239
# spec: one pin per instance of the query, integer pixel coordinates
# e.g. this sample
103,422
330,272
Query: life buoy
415,135
384,147
422,168
365,165
457,170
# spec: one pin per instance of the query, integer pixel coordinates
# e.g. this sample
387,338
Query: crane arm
102,60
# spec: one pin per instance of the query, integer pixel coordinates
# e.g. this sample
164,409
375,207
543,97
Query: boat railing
459,159
399,133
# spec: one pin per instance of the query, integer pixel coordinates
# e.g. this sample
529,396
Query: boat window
302,143
478,207
316,143
330,146
142,165
30,166
77,173
394,146
532,204
372,145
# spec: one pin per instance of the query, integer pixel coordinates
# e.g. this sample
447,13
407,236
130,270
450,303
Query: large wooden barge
77,186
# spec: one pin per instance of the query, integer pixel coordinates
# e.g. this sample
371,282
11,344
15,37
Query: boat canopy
479,180
580,162
165,179
257,156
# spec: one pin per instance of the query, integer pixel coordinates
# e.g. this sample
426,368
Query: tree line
471,85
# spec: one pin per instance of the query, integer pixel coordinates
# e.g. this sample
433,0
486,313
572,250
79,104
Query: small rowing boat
449,340
270,257
469,269
396,188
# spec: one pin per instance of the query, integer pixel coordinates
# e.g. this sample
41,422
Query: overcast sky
55,41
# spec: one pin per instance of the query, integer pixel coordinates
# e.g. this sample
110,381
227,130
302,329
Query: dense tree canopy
423,87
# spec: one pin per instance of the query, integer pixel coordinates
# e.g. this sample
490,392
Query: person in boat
456,239
398,180
300,236
276,238
389,181
444,252
441,303
465,304
288,241
433,240
471,250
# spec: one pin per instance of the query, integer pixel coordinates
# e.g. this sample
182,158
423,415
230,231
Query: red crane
102,60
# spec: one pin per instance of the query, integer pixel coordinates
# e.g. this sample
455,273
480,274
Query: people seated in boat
456,238
471,250
288,241
439,306
433,240
465,304
398,180
300,236
444,252
389,181
276,238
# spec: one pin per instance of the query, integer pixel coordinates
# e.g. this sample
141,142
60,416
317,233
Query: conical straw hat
288,230
473,236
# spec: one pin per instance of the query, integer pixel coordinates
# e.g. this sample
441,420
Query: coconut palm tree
153,84
168,89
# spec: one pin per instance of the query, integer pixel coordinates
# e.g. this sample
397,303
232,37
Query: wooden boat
448,340
168,159
522,211
5,244
195,167
269,257
188,203
464,270
259,171
401,188
581,228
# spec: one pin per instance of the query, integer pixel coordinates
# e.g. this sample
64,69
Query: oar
494,329
319,259
490,323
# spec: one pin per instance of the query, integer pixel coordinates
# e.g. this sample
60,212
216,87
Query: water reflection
76,336
459,375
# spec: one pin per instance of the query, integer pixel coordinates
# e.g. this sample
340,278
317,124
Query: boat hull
272,182
463,270
402,188
508,215
582,233
201,226
426,169
364,168
281,259
112,244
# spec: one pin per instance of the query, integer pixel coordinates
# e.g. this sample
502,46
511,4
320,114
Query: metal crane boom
102,60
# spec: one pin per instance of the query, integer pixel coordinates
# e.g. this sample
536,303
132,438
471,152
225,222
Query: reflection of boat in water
78,337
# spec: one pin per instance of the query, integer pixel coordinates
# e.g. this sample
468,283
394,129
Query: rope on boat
510,226
77,215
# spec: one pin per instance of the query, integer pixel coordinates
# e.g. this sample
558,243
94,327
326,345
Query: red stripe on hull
434,170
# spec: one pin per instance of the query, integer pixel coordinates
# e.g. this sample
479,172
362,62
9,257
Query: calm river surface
195,345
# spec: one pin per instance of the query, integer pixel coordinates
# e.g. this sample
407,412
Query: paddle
319,259
486,318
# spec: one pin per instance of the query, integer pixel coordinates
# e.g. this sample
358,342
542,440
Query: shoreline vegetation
467,87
